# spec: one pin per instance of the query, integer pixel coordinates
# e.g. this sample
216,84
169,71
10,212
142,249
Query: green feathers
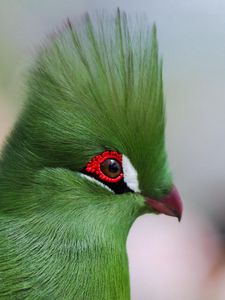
96,86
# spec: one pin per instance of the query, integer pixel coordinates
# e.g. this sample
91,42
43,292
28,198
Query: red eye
107,166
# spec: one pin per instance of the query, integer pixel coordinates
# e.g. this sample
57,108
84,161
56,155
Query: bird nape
86,157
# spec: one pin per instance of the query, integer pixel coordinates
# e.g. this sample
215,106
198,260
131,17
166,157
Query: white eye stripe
96,181
130,174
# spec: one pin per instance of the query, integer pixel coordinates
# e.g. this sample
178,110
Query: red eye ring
94,166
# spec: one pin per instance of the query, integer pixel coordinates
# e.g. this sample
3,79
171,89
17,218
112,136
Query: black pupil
113,166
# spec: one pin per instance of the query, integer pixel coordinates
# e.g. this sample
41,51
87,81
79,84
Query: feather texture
96,85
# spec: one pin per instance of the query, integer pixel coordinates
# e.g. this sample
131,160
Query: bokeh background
168,260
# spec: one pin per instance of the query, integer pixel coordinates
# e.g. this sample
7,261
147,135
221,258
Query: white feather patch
96,181
130,174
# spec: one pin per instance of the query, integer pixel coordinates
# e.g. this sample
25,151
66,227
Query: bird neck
102,273
93,262
64,265
98,262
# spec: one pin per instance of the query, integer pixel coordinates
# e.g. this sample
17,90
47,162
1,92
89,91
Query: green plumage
97,85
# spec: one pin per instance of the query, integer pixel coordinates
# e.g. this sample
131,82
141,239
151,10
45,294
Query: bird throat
54,265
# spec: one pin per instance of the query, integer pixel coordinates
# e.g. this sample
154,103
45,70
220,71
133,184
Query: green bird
86,157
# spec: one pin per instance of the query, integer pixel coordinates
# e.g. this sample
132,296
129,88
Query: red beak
170,205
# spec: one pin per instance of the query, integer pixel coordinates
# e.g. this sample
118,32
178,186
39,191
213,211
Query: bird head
91,138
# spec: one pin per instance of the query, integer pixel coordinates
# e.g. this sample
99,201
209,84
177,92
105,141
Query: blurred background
168,260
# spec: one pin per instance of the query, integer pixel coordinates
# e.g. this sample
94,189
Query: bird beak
170,205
